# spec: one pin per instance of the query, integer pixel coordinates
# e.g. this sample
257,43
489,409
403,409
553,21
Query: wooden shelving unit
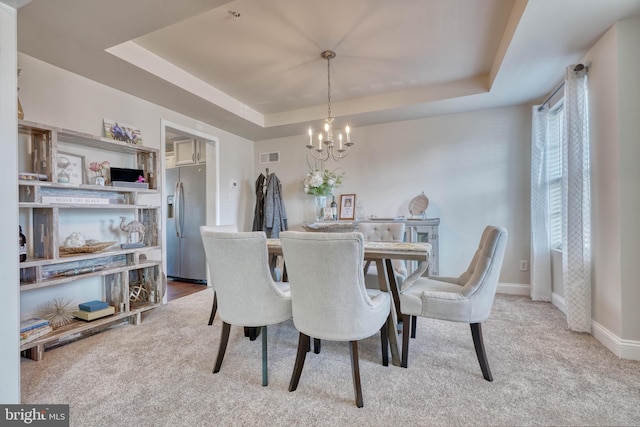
127,278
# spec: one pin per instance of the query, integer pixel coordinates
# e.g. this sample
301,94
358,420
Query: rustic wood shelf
125,278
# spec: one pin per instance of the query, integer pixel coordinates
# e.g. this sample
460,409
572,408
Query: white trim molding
514,289
624,349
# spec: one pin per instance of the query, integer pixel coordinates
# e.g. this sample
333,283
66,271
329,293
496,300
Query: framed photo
122,132
70,168
347,206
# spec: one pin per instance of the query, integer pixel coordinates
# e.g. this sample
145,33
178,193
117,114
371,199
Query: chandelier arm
322,157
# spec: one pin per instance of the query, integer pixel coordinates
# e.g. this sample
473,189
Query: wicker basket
86,249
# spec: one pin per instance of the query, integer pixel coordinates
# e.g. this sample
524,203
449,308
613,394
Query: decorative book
32,334
93,315
32,323
93,305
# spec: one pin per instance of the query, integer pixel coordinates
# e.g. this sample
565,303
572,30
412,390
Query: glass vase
321,205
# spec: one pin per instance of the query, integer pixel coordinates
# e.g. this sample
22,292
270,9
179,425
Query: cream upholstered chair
383,232
227,228
247,295
329,299
467,298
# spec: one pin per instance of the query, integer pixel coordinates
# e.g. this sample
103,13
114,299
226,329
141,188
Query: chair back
241,278
386,232
480,281
328,295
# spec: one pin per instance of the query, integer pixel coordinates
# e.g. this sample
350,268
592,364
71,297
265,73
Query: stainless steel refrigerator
186,212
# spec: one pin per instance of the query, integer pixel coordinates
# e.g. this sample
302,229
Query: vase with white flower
100,171
320,183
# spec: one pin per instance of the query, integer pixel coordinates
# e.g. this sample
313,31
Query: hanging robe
258,216
275,216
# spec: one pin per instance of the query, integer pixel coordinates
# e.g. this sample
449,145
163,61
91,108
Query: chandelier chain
329,85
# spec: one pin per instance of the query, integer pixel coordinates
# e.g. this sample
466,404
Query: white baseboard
559,302
624,349
514,289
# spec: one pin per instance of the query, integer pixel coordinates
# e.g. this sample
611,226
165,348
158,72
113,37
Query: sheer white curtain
576,193
540,246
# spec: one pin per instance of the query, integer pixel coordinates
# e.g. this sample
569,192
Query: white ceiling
261,75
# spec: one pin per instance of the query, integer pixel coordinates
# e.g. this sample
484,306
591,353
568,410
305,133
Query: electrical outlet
524,265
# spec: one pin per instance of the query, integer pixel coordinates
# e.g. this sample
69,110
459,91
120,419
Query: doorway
190,195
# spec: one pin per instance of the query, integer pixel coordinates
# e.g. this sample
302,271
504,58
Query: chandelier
325,137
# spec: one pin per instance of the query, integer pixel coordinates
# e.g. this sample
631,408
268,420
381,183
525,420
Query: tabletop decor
58,312
70,168
347,206
320,183
100,171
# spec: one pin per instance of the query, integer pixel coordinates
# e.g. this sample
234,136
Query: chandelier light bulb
310,145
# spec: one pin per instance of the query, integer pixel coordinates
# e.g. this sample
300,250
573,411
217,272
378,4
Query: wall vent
266,158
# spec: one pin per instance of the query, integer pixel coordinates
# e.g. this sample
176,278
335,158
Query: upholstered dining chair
329,299
227,228
247,295
466,299
383,232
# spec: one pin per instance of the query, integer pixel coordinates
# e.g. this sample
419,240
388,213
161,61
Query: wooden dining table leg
393,287
392,320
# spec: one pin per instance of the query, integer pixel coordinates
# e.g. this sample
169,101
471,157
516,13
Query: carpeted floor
159,374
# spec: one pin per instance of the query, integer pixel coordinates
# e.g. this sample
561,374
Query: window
554,170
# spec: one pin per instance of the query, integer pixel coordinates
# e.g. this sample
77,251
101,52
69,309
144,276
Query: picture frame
70,168
122,132
347,206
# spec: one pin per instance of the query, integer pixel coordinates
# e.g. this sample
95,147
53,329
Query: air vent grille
266,158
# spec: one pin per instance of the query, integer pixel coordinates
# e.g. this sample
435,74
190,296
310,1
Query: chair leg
316,345
414,322
214,308
478,343
224,339
384,340
303,345
405,340
355,370
265,371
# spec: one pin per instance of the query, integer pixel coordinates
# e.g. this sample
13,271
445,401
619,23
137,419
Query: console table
416,230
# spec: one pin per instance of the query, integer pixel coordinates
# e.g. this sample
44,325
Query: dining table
382,253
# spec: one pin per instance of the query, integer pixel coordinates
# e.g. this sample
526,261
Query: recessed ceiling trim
154,64
396,99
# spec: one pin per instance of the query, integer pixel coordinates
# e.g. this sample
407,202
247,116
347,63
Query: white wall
614,104
605,185
9,295
473,167
629,108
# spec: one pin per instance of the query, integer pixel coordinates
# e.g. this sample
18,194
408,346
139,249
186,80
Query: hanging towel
258,217
275,216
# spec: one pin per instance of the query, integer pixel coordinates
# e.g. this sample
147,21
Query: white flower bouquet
321,181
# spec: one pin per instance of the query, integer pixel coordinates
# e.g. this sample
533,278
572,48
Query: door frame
213,176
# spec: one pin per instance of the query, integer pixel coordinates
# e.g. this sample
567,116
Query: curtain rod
577,68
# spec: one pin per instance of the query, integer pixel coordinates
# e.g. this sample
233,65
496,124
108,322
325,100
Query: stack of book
92,310
33,328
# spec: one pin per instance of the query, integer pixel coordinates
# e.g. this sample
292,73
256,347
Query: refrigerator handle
178,208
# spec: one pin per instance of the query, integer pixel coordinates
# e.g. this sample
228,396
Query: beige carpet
159,374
